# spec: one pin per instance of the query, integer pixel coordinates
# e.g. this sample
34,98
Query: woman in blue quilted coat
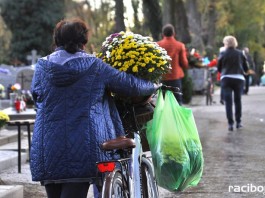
75,115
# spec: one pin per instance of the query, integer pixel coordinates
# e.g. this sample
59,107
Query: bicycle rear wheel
113,186
148,181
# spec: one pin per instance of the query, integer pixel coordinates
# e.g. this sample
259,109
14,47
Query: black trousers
232,87
67,190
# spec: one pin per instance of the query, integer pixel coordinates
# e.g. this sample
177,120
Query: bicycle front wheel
113,186
209,98
148,181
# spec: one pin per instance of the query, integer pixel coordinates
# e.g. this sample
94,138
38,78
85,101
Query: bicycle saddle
118,143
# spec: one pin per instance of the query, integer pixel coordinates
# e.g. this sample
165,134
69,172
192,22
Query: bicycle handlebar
171,88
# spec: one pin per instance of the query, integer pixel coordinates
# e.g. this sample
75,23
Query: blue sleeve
36,85
123,83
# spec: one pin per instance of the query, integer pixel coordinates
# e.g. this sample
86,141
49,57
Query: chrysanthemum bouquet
135,54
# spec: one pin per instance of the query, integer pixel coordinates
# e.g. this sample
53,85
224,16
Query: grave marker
33,57
24,78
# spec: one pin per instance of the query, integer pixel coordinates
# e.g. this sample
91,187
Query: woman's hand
157,86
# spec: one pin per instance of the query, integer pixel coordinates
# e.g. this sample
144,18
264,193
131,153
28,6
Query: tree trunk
153,17
169,8
174,13
182,25
212,18
195,26
119,17
135,6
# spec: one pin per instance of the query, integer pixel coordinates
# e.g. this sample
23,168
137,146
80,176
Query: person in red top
176,50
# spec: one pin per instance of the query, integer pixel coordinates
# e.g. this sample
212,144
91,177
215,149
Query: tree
182,25
195,24
169,12
119,17
5,37
153,17
246,22
31,23
99,18
135,6
174,12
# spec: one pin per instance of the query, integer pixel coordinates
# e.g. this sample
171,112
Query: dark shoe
239,126
222,102
230,128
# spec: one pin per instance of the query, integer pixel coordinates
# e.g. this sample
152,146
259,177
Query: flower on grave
16,87
2,91
27,97
194,58
4,118
136,55
2,88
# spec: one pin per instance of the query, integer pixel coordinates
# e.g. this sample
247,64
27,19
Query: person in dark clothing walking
232,65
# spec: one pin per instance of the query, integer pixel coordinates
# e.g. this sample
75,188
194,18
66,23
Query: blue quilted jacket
74,113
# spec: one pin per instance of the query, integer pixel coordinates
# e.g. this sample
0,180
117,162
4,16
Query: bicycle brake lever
179,93
175,90
171,88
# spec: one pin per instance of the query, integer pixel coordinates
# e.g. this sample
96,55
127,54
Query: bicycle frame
130,169
135,167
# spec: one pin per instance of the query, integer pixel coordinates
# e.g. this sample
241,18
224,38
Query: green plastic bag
175,144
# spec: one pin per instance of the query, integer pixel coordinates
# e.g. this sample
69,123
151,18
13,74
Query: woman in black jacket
232,65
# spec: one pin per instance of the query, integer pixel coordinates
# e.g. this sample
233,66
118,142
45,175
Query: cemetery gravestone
24,78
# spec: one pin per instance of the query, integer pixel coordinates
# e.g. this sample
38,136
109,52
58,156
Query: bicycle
132,174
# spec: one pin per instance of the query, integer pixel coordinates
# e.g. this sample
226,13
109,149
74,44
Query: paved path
233,160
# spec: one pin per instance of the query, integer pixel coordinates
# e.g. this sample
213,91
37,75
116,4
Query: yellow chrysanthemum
135,69
151,69
135,54
3,119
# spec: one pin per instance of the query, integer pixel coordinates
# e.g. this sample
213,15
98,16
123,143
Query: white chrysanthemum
107,54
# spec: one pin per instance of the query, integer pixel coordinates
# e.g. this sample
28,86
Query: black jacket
232,61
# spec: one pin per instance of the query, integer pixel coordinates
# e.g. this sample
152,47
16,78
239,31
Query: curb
7,191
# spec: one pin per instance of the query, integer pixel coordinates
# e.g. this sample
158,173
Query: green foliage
246,22
5,36
31,23
242,19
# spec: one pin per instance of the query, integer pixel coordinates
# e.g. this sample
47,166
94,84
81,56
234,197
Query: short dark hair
168,30
72,34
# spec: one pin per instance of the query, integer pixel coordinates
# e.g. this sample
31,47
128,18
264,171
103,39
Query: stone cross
22,77
33,57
